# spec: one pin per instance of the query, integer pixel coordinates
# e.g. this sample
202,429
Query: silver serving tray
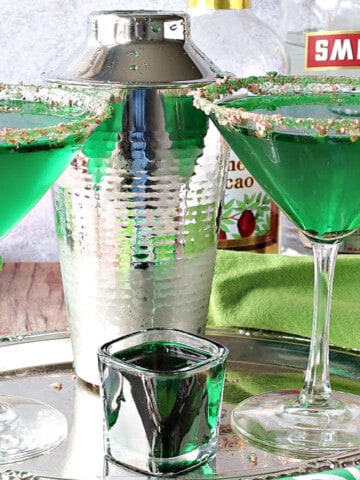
40,366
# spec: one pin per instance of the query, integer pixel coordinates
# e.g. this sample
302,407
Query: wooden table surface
31,298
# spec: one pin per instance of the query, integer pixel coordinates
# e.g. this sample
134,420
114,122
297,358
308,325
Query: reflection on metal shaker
137,211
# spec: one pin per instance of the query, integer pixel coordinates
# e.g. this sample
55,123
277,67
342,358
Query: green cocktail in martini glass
41,130
299,137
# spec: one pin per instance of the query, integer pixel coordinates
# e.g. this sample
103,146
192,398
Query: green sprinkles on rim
85,109
206,98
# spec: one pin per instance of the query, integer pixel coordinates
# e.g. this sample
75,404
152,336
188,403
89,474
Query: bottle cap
220,4
136,48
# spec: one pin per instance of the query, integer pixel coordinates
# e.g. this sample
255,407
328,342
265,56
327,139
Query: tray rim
330,462
259,334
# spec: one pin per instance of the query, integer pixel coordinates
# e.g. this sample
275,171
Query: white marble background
35,36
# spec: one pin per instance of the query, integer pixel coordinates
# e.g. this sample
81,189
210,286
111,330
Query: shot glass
161,391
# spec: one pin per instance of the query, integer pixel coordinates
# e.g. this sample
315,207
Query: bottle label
249,219
332,50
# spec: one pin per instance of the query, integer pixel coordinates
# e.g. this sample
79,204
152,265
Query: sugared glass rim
93,104
206,99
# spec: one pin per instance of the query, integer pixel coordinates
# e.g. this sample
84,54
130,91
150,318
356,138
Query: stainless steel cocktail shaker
137,211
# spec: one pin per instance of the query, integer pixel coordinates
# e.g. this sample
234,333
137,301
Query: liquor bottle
322,38
249,219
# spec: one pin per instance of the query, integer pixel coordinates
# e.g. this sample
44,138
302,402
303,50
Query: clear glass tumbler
162,392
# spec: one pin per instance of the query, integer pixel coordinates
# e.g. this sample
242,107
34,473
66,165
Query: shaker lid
136,48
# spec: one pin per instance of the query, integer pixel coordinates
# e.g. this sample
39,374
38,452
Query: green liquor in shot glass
162,392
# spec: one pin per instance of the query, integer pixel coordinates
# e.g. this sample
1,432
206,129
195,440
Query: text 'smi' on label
332,50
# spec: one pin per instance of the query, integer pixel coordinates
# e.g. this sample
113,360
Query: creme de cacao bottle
249,219
322,38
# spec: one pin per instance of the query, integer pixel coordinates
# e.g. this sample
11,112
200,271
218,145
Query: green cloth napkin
275,292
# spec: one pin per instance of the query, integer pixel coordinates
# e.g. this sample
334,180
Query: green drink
198,405
169,385
38,140
41,130
299,137
162,356
301,170
28,171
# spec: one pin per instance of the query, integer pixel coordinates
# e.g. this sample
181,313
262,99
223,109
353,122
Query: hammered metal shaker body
137,211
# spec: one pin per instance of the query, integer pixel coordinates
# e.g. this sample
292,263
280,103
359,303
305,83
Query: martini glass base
276,422
28,428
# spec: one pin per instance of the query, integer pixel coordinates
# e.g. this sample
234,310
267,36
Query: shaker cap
220,4
136,48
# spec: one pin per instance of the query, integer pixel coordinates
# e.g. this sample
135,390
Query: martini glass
41,130
298,136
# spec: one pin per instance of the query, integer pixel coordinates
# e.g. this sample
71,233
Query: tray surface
40,366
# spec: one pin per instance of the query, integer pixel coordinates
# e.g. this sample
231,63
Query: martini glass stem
317,388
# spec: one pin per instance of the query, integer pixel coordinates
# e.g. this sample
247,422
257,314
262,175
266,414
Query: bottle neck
220,4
